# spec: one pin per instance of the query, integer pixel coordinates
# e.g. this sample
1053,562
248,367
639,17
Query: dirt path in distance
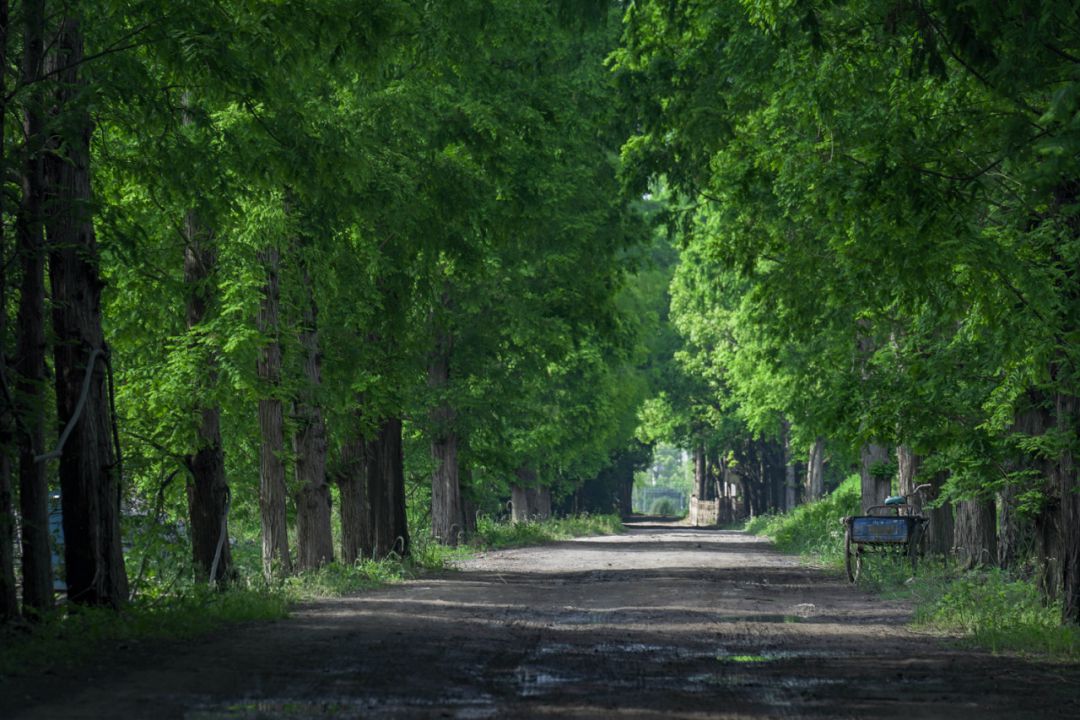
664,621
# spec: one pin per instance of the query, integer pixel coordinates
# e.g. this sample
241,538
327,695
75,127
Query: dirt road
660,622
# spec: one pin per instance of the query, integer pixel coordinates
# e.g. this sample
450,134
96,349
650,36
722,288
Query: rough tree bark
208,490
941,530
815,471
975,533
392,527
351,477
446,518
700,475
1066,411
386,491
520,507
908,464
272,490
30,329
790,488
89,472
875,488
314,537
9,606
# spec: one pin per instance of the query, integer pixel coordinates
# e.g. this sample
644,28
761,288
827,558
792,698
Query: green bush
73,634
814,528
663,506
997,612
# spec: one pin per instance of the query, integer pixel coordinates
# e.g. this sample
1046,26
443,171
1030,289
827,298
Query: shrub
814,528
492,534
663,506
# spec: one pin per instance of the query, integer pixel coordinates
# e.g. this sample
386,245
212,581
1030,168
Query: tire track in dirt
664,621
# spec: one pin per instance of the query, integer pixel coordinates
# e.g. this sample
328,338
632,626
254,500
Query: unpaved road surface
661,622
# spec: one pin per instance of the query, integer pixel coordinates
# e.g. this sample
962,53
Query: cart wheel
852,558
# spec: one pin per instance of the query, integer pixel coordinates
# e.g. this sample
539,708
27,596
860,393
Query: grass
495,535
182,610
74,635
984,608
814,529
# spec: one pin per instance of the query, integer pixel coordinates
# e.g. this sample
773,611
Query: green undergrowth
74,635
179,610
813,530
495,535
989,609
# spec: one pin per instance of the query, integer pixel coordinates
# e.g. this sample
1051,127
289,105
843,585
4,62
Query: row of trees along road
877,206
289,245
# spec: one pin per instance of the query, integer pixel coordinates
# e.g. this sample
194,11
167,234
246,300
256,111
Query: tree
89,471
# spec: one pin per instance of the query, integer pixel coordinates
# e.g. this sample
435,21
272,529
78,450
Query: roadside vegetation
986,607
178,609
494,535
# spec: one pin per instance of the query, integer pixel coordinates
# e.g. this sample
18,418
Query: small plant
73,634
813,529
988,608
492,534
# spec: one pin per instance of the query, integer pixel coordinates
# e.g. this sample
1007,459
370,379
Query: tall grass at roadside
74,635
492,534
813,529
180,608
986,608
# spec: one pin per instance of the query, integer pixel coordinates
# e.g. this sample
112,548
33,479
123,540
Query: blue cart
889,529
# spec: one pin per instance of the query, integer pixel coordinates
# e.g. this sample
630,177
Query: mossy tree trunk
37,589
89,471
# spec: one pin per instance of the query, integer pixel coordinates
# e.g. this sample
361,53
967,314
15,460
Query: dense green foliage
875,204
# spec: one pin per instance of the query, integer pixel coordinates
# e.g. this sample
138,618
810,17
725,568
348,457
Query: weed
73,634
987,608
492,534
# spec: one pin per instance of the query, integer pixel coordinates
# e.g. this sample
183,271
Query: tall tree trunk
875,487
392,527
908,465
386,491
542,502
446,520
520,505
790,489
815,471
30,341
208,491
1015,531
314,538
89,472
976,544
351,476
1066,411
273,493
941,530
9,605
700,481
